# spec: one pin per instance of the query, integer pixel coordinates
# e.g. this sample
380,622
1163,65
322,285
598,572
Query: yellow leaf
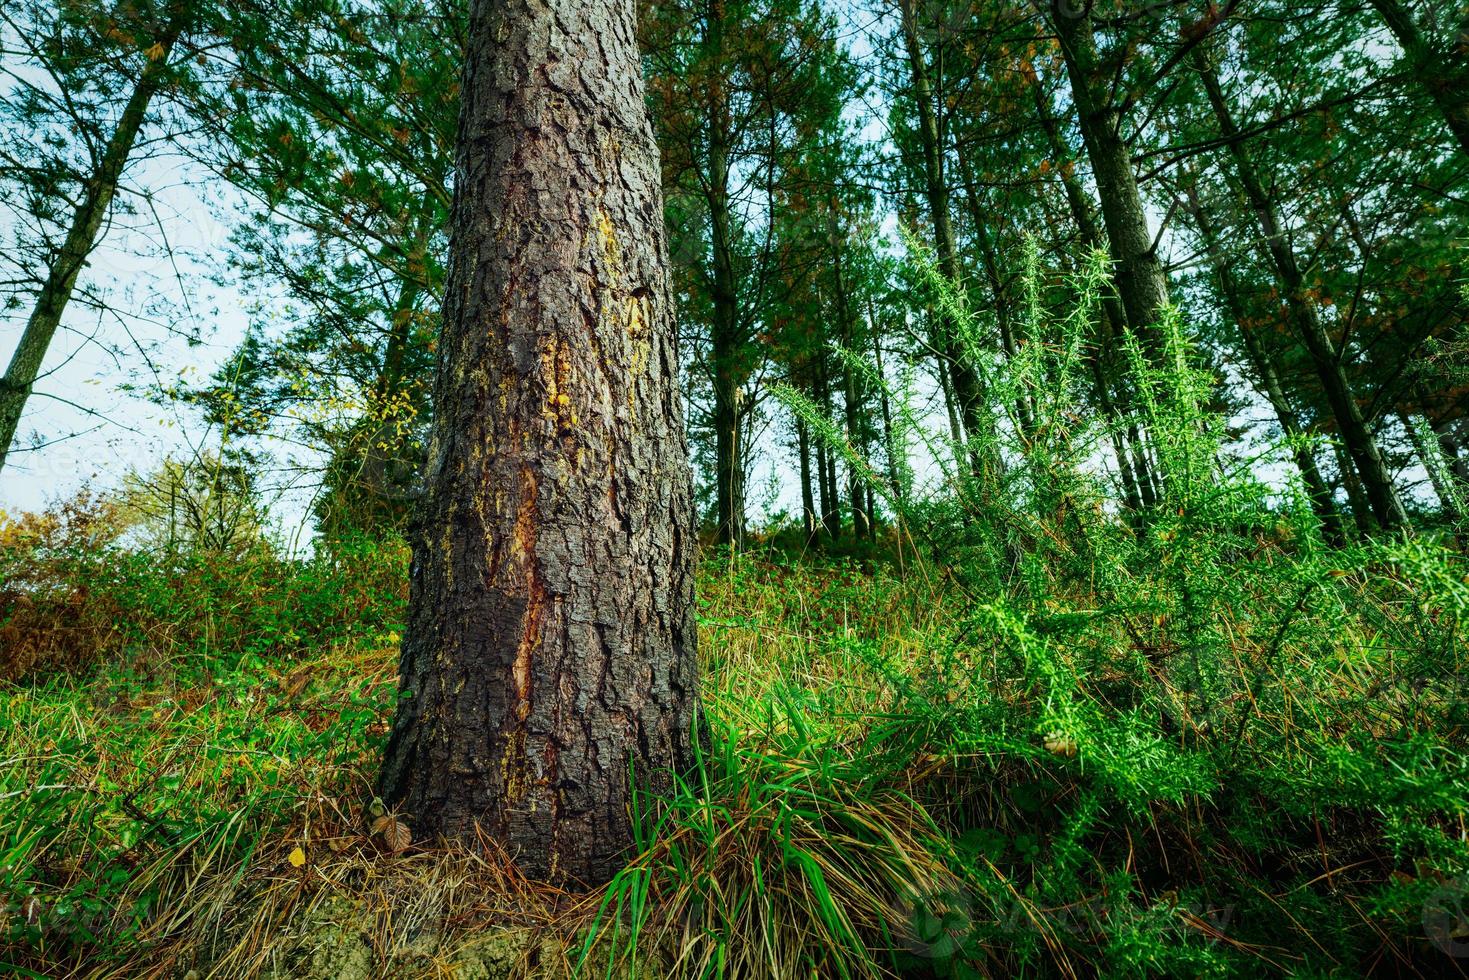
297,858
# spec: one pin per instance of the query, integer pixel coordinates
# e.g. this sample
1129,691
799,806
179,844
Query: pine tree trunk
1457,460
375,477
831,505
851,388
1445,83
808,500
1361,509
724,295
963,380
1139,275
1264,367
889,440
86,225
1004,314
1325,358
549,661
823,489
1439,475
1126,445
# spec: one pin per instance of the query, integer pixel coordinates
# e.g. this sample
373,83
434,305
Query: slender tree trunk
965,382
1024,408
1445,83
1264,368
831,505
856,488
1361,508
1126,443
851,389
888,440
1148,486
376,476
1325,357
1140,280
956,428
1439,475
808,502
823,489
726,333
81,239
1458,461
549,661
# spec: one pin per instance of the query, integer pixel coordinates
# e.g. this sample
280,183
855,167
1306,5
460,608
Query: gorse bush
1188,740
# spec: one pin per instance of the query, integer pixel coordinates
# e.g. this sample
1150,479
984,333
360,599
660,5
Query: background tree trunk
1356,434
1140,280
1264,367
1449,89
729,483
549,652
808,499
81,238
963,380
1102,353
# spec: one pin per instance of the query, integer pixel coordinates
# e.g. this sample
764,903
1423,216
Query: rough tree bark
548,660
82,236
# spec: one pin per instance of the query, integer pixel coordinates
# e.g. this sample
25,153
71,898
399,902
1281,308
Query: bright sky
85,426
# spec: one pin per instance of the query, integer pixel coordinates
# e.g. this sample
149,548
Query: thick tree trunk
1140,280
548,661
1445,83
1325,358
1264,368
81,238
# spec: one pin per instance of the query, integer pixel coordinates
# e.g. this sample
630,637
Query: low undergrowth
900,780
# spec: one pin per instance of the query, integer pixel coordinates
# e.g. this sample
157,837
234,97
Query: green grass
901,780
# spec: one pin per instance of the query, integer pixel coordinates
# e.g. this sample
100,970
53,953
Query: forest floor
894,787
